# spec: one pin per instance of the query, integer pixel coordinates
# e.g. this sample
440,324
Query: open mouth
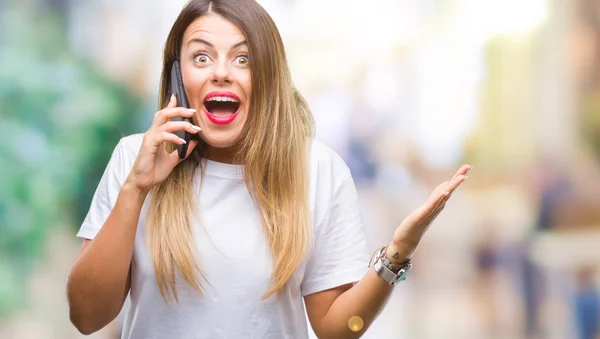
222,107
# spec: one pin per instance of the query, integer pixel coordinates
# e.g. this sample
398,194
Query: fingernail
470,168
191,110
182,141
172,97
197,128
446,194
466,177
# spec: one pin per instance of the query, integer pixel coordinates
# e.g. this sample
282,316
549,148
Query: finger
439,191
441,203
174,156
193,144
172,101
173,126
440,196
162,137
443,192
456,182
171,104
436,197
449,186
464,170
167,114
172,112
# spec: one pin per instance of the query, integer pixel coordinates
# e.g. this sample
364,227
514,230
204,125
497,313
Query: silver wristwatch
388,271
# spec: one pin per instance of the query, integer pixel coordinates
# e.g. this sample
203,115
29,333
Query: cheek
244,80
193,81
248,86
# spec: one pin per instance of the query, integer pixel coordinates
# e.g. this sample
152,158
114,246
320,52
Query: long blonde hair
273,147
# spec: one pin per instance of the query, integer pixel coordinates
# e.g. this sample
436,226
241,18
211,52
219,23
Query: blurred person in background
230,241
586,305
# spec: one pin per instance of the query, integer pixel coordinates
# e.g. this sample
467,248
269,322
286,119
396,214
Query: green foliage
60,119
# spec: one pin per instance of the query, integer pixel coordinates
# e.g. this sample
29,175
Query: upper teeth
222,99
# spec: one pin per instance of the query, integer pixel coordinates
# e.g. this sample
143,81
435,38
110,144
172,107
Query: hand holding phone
179,91
154,163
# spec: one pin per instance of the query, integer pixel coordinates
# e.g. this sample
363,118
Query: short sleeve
106,194
340,254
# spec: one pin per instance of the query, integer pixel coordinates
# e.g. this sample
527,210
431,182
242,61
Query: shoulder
130,145
329,175
124,154
327,162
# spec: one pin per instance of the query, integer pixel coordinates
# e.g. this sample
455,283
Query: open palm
408,235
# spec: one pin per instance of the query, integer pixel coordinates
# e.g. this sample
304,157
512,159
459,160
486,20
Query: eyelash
237,57
200,54
244,56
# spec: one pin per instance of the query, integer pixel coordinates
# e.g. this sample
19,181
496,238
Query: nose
221,74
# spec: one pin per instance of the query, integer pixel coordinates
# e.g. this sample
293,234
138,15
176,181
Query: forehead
214,28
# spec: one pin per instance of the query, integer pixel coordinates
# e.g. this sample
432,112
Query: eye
201,58
242,60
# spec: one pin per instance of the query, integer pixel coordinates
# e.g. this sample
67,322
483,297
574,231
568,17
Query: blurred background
405,90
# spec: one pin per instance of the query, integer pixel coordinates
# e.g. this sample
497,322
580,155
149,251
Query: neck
222,155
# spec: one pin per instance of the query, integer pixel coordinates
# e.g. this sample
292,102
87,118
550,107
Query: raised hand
154,163
408,235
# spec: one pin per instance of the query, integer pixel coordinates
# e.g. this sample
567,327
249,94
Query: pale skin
214,58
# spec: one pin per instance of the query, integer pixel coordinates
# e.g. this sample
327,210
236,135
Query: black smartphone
179,91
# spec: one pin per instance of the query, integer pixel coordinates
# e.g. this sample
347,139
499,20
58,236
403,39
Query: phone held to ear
179,91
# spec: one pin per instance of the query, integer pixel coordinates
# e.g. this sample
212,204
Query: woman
258,217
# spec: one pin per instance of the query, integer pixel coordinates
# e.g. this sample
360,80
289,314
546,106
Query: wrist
133,191
391,273
137,186
398,254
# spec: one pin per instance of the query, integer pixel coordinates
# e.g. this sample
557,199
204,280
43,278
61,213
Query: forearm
366,299
97,283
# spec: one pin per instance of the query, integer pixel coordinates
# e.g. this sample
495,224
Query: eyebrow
202,41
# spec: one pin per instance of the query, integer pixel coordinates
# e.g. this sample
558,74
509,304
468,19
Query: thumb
174,155
191,147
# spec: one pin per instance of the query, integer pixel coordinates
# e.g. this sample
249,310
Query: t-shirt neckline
223,170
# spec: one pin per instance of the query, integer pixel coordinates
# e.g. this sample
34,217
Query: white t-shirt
234,255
